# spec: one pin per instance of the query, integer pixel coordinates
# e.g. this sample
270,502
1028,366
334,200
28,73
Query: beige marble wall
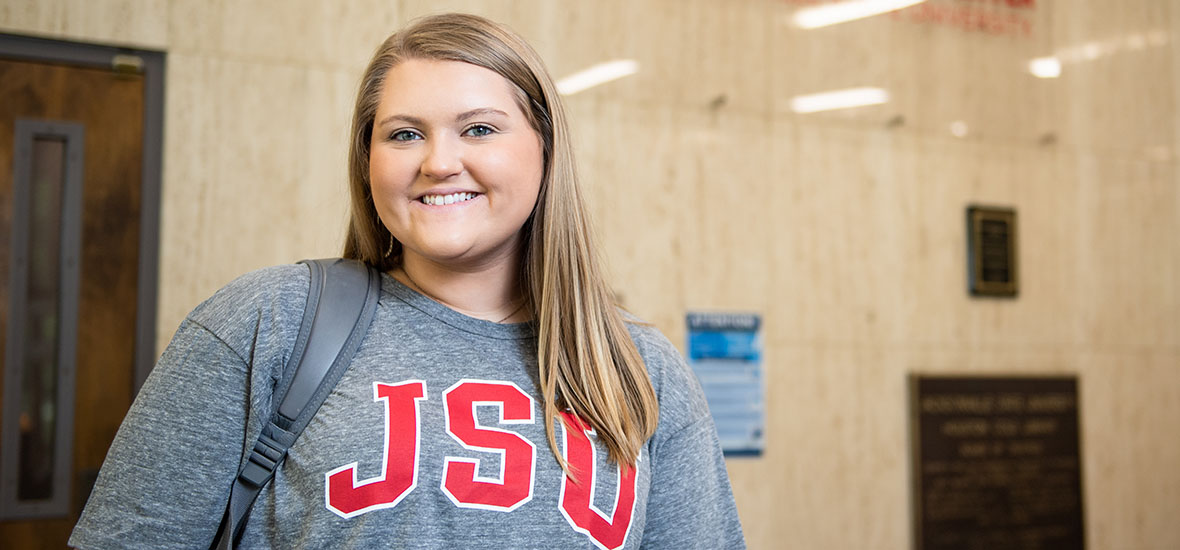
844,229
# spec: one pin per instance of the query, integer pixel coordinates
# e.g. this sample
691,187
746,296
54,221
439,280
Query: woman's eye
404,135
479,130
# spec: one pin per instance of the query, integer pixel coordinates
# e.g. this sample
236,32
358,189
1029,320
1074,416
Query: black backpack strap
341,303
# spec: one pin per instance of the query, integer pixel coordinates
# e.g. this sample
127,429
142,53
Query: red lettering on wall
968,18
987,16
1015,4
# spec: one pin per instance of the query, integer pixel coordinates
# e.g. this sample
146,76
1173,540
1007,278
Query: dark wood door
109,106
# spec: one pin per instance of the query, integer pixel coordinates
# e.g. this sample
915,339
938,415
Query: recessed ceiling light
839,99
597,75
831,14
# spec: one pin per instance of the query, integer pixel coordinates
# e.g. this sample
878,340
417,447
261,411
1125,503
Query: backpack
341,304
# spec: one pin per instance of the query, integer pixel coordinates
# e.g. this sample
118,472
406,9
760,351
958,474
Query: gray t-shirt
433,438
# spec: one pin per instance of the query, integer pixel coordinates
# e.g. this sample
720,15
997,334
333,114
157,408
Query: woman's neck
491,293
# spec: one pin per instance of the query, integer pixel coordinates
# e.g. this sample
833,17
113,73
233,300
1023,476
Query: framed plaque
991,251
995,463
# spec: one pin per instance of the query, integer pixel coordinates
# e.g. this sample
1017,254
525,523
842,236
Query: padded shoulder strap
348,292
340,306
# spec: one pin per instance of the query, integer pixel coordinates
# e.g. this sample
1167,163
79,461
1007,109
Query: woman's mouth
438,200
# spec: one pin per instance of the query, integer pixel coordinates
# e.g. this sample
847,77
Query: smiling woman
454,178
495,334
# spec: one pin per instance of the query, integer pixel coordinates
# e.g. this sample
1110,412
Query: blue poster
725,351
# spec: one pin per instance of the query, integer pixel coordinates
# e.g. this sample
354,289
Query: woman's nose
443,159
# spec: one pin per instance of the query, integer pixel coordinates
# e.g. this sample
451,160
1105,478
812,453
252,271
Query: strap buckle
263,461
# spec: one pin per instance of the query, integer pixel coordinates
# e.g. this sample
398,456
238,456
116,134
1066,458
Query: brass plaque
996,463
991,251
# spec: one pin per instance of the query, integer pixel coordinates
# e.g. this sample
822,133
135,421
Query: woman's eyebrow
412,120
461,117
477,112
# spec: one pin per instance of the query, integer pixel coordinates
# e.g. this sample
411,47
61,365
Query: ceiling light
959,129
1045,67
831,14
1050,67
598,74
839,99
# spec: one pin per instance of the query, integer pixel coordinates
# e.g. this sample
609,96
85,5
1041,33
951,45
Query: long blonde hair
586,358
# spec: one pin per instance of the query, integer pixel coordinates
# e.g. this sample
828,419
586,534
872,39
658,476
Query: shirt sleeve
166,479
690,503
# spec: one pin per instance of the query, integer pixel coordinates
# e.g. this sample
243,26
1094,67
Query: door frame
151,66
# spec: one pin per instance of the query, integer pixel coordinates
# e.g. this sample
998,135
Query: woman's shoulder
266,300
671,377
682,400
651,343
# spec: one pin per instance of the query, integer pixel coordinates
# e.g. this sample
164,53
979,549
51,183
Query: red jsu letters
577,498
461,481
399,472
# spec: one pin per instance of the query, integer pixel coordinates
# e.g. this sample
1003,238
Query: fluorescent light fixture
831,14
1050,67
1045,67
839,99
598,74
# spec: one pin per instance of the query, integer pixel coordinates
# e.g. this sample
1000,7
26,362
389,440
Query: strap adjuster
264,459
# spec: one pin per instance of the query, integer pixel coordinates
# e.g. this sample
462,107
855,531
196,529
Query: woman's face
455,167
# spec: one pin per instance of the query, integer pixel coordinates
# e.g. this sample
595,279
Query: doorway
80,137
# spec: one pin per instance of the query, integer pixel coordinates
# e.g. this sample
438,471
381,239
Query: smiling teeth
447,199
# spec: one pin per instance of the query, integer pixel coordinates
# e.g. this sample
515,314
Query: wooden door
109,107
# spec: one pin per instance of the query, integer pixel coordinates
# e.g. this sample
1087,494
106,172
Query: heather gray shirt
432,439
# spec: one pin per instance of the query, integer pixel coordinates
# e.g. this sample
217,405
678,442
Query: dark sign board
996,463
991,251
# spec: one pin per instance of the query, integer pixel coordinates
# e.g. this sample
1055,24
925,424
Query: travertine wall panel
845,229
1132,405
139,23
1130,255
253,173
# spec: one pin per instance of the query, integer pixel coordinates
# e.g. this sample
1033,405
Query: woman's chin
461,251
454,255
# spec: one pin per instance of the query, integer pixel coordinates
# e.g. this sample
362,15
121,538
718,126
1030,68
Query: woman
499,398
